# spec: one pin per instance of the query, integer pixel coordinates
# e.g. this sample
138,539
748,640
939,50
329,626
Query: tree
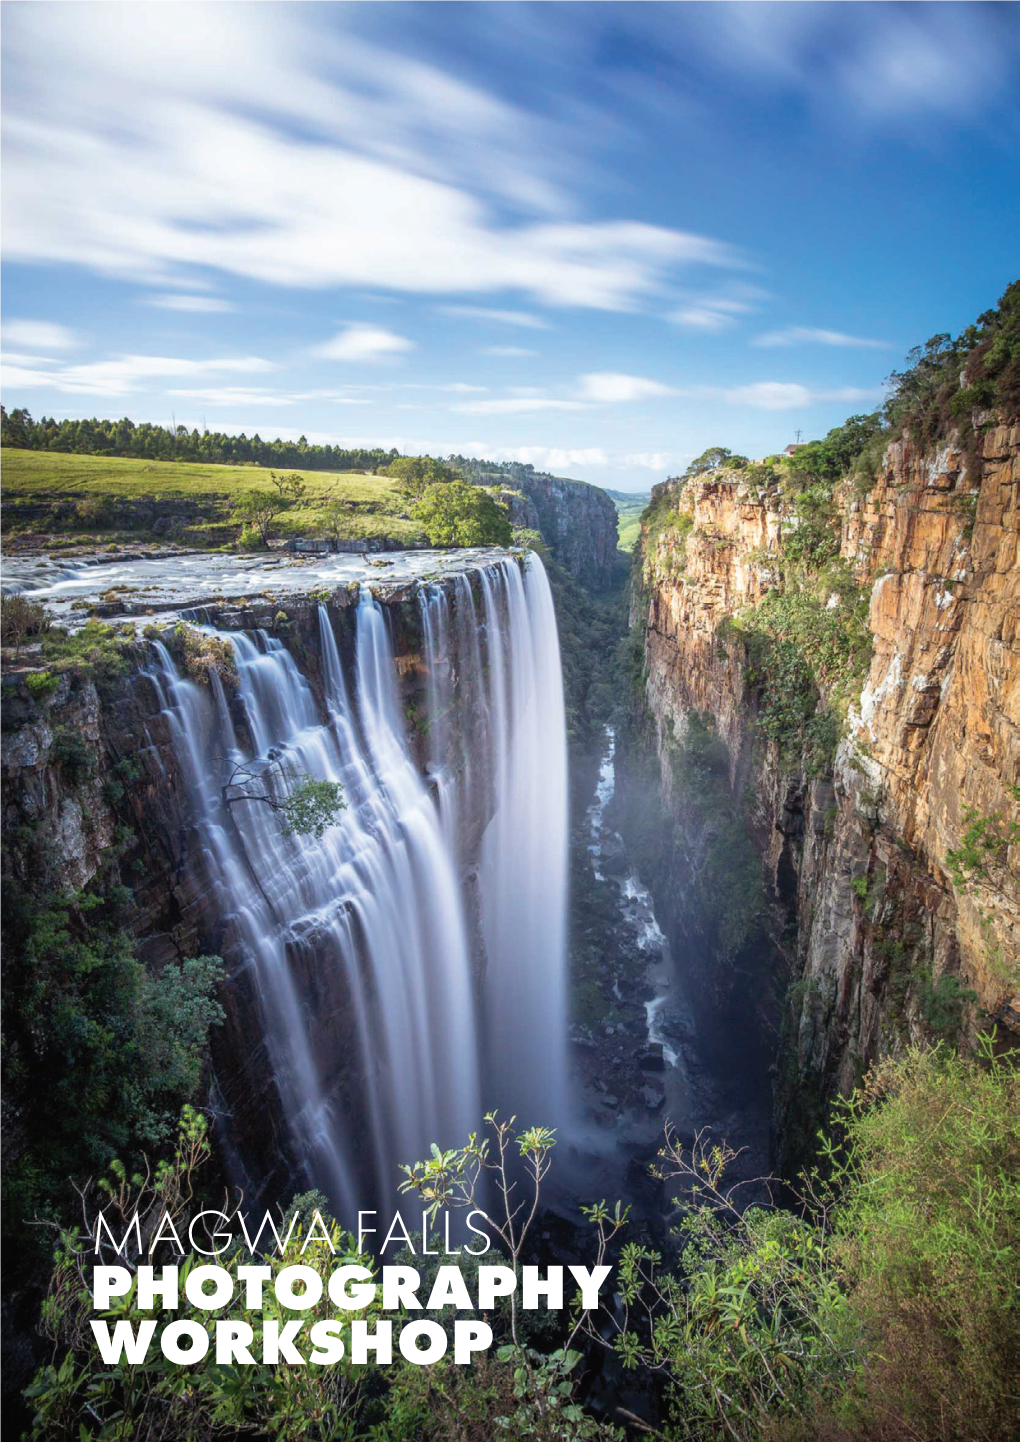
289,485
414,474
710,460
259,509
456,514
336,518
310,809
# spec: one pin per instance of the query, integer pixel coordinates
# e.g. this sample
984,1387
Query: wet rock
653,1100
652,1059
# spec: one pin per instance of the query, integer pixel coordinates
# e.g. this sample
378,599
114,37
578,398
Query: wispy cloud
363,343
612,386
199,304
811,335
709,314
38,335
131,148
510,351
517,406
124,374
521,318
787,395
233,396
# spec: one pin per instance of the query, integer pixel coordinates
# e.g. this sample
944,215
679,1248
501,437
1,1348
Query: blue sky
595,237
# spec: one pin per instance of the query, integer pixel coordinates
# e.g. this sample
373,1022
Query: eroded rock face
858,864
579,522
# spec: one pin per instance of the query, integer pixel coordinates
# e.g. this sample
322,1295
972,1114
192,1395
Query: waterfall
432,913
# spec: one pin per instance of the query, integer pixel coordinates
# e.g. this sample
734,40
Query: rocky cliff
579,523
95,799
886,820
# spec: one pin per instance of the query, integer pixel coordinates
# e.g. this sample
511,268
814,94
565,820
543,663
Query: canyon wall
579,524
859,854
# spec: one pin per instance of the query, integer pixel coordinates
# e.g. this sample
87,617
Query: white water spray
373,917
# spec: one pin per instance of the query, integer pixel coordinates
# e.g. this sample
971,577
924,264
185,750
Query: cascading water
448,1019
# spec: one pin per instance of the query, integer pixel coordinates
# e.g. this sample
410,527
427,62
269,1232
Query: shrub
886,1310
97,650
200,655
19,618
942,1005
928,1226
73,754
41,684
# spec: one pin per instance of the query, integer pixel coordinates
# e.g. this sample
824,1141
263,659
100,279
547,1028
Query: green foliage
983,858
74,755
666,528
927,1226
833,458
309,808
714,459
590,630
99,1052
126,438
257,511
453,513
114,1402
41,684
529,540
519,1392
313,806
201,655
943,1003
96,651
289,484
415,474
20,618
808,659
886,1309
947,379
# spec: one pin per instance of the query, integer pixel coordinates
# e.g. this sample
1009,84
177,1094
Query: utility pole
797,436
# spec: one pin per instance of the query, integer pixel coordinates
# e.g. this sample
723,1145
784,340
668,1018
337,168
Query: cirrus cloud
812,335
38,335
363,343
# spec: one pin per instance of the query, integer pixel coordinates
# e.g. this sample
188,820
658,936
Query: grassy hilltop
79,497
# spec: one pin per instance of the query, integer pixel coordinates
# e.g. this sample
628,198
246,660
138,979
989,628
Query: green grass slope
43,492
629,506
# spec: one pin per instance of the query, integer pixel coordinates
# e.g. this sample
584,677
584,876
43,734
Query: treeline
143,441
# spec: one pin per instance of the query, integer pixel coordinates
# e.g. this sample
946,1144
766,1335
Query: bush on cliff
886,1310
453,513
99,1053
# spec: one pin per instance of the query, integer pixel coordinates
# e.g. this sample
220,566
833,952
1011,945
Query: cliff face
579,522
66,829
858,853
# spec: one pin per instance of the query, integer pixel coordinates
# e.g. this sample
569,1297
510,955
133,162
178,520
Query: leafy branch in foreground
310,809
452,1180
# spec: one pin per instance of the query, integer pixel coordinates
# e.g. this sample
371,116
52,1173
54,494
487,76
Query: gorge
340,851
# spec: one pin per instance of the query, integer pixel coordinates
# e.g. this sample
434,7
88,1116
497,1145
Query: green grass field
629,506
31,477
